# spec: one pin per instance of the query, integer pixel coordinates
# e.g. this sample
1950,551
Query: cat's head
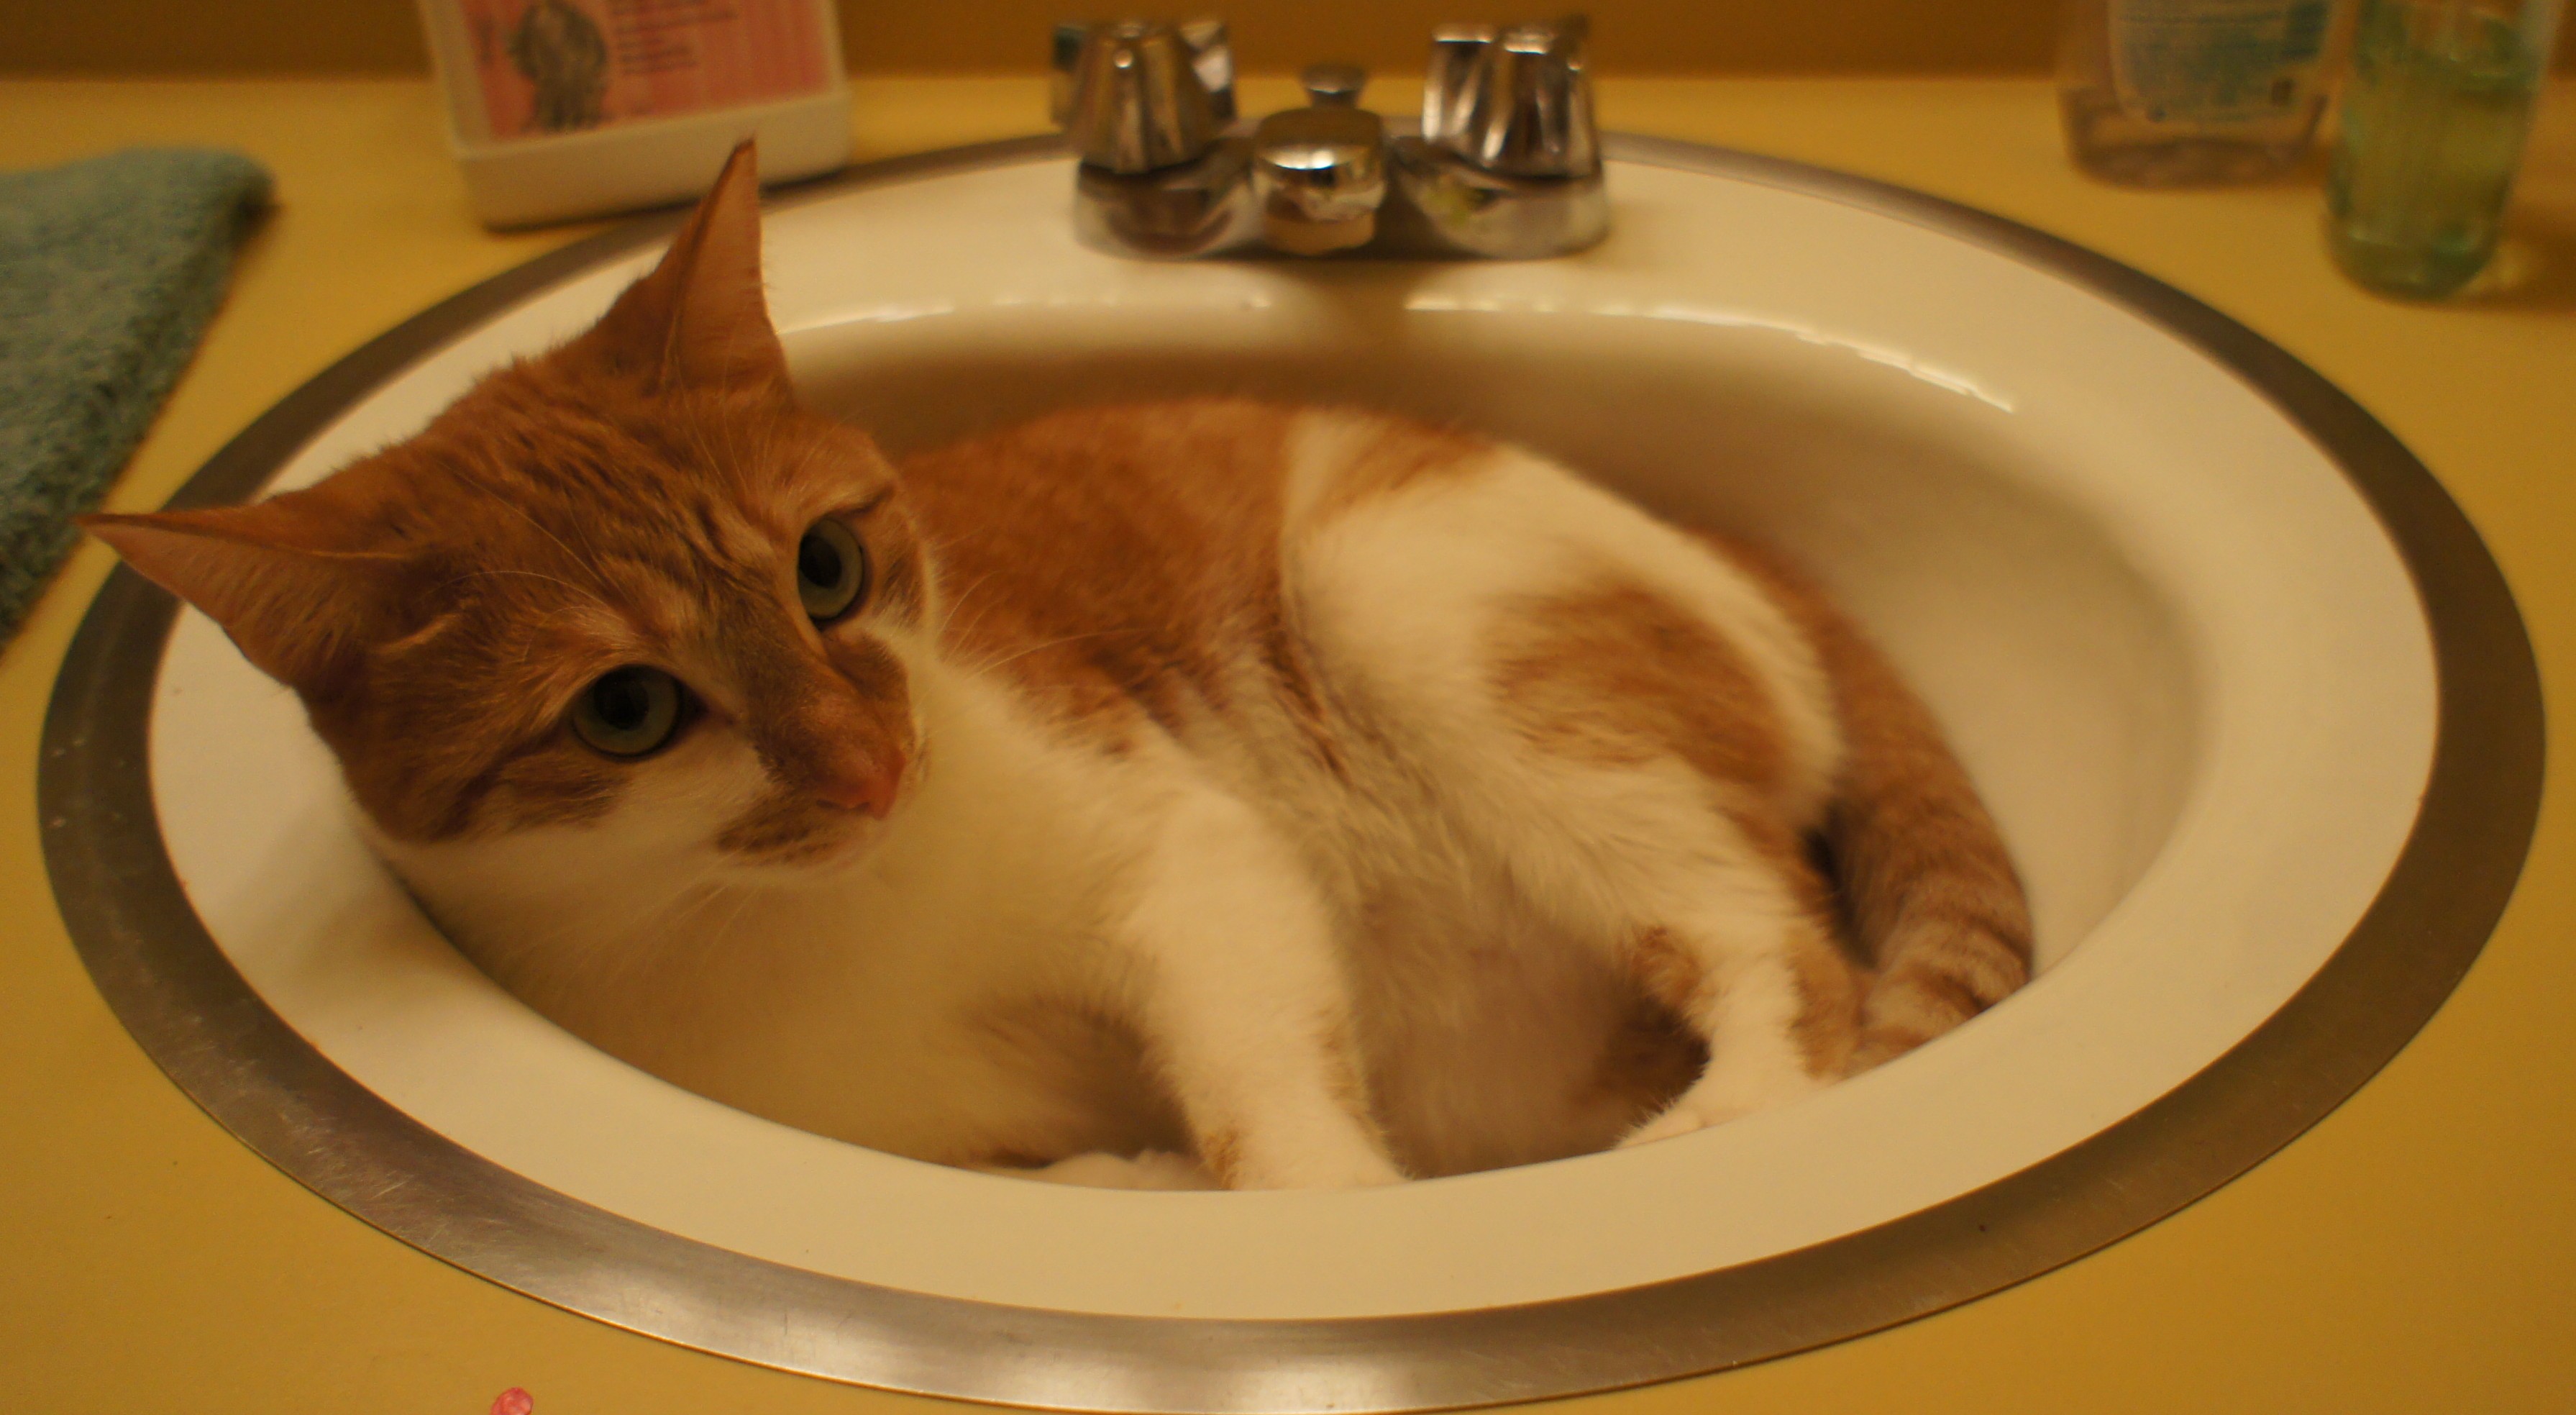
626,586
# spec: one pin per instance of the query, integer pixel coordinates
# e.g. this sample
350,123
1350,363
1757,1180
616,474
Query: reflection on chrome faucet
1507,163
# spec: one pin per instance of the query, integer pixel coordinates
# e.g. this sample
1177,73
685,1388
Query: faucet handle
1211,60
1514,101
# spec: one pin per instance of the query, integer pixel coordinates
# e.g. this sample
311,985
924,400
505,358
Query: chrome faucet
1507,164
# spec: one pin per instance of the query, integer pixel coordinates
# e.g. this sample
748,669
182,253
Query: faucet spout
1319,172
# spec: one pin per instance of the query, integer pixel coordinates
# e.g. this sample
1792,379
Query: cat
1201,792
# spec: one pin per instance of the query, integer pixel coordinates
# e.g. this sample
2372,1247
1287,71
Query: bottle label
548,67
2215,61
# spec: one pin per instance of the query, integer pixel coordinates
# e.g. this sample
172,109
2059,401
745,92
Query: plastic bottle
2162,93
566,108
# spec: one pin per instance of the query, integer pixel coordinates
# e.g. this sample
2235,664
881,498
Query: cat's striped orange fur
1317,794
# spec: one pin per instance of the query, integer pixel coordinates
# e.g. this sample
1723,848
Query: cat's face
629,586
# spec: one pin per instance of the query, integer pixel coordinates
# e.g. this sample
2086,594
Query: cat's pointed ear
277,575
702,317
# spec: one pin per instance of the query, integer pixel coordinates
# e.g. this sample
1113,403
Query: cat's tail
1921,870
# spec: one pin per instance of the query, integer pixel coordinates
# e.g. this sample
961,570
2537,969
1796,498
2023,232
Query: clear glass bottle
2433,123
2169,93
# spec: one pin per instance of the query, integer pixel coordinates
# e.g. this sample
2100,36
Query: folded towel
109,269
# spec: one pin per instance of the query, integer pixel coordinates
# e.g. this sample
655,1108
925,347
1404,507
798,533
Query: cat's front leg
1240,996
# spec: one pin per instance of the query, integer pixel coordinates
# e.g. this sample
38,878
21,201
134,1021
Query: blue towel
109,269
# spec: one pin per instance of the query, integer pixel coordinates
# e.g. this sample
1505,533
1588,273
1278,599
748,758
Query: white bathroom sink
2248,700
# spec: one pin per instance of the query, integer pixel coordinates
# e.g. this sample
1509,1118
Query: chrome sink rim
181,998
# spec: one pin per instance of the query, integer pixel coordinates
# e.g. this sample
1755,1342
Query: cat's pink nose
858,783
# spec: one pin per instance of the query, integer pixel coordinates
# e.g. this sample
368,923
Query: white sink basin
2134,558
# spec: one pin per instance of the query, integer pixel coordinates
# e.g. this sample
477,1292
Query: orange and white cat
1283,796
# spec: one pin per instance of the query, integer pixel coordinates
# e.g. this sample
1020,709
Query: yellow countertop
2415,1252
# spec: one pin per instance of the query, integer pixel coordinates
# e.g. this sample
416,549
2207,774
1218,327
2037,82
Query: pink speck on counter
513,1401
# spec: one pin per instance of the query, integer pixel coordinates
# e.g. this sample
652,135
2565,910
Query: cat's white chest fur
888,1001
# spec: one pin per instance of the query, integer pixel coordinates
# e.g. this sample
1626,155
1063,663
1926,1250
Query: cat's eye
629,711
831,570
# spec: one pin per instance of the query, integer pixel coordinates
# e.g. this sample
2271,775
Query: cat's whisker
511,505
962,631
663,927
714,947
530,575
588,924
991,664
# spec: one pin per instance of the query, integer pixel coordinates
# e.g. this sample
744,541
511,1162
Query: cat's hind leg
1714,912
1631,730
1656,812
1749,965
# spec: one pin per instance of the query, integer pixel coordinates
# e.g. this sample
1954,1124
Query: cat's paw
1879,1045
1153,1169
1352,1168
1358,1173
1716,1101
1156,1169
1683,1117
